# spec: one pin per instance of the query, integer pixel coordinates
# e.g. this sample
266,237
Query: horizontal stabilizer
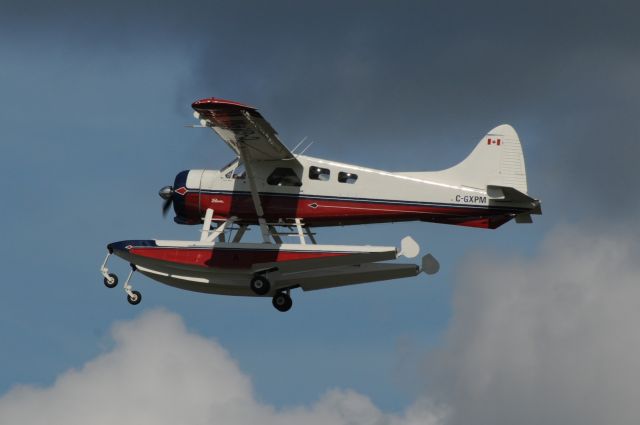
505,194
524,219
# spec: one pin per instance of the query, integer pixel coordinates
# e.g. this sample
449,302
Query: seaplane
287,194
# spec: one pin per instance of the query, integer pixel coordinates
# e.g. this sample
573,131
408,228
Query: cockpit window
347,177
239,172
232,164
284,177
317,173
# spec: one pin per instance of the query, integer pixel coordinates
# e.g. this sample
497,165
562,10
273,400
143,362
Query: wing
242,128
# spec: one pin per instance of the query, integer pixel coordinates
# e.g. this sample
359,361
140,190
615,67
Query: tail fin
496,161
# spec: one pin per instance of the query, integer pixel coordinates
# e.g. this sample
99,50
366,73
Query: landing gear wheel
112,281
282,301
260,285
134,298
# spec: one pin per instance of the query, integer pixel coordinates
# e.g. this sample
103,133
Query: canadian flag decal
493,142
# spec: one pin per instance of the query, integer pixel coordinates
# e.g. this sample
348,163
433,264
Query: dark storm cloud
426,79
430,80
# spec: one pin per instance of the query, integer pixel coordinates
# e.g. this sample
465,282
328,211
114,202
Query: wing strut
255,196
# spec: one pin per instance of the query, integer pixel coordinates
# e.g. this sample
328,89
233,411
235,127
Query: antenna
308,146
299,143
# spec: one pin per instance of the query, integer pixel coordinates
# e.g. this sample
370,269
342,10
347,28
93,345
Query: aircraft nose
172,195
179,192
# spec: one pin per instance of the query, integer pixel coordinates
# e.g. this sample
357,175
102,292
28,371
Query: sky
524,324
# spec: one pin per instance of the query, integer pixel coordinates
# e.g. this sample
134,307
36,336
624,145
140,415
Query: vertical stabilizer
496,160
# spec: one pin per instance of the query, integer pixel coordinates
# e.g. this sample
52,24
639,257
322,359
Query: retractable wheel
282,301
134,298
111,281
260,284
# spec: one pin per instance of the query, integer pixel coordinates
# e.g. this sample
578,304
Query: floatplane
282,193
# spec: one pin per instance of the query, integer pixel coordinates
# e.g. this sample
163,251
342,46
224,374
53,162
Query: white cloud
548,340
545,339
159,373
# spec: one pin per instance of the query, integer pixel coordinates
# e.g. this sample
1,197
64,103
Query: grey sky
428,77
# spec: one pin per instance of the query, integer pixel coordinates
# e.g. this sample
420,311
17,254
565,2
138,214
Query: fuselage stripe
351,199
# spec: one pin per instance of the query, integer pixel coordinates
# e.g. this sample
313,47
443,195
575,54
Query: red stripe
202,103
326,211
225,258
311,209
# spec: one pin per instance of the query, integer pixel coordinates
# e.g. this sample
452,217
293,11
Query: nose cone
166,192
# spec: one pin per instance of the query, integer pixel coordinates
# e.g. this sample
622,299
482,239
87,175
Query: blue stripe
121,245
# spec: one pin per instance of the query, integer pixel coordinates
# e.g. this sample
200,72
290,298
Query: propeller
166,193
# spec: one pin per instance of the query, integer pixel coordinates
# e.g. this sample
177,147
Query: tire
111,284
137,298
282,302
260,285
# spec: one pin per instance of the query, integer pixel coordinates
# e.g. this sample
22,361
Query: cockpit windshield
234,170
231,165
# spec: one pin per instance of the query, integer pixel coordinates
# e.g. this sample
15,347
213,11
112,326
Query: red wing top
242,128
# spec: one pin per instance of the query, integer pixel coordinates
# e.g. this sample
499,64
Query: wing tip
210,102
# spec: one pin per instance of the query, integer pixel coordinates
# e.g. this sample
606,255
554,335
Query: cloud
160,373
548,340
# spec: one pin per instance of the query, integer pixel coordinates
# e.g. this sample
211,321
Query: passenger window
347,177
284,177
317,173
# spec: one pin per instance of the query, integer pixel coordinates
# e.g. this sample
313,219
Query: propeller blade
166,193
166,206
